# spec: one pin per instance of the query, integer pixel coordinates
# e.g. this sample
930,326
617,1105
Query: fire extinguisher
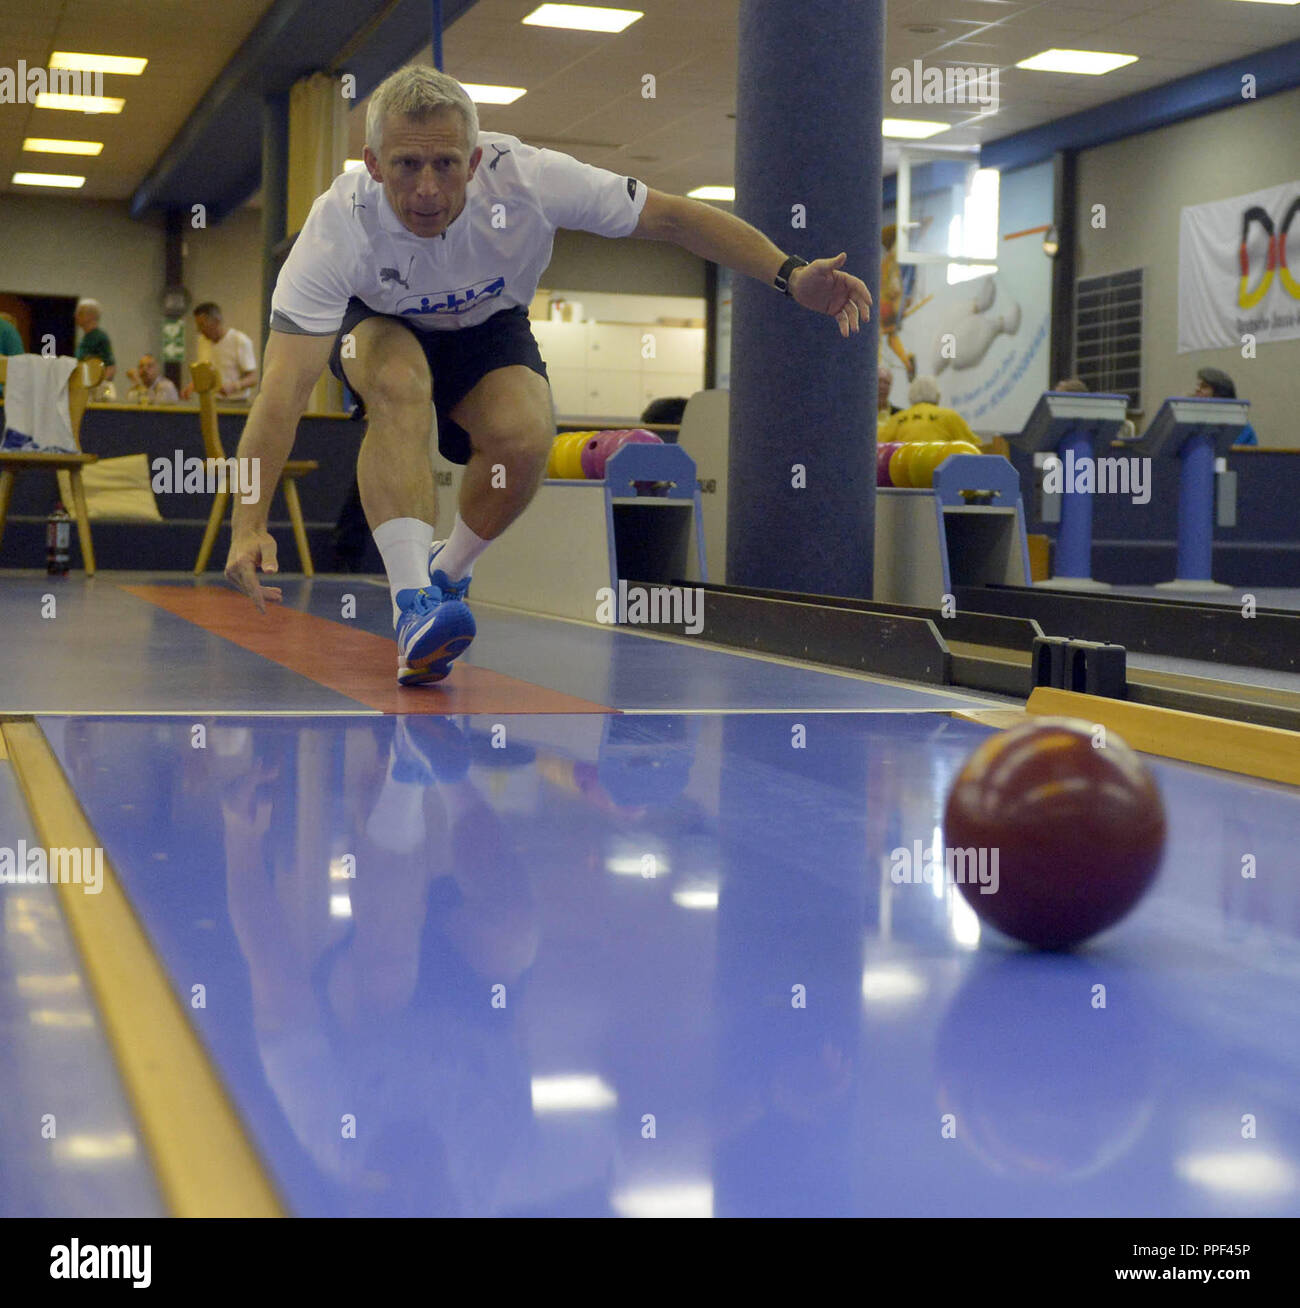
58,538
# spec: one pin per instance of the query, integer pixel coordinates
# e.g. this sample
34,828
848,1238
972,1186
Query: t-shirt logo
451,302
392,275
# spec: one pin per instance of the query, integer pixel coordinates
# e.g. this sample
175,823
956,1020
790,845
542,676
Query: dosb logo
1274,255
452,302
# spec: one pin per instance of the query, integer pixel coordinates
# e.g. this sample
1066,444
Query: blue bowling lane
657,964
68,1142
636,672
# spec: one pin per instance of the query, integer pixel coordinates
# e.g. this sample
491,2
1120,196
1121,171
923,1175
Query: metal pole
437,34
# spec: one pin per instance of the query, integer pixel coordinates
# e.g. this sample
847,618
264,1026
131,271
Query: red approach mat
353,663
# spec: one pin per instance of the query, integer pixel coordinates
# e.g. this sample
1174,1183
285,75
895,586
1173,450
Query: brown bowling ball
1075,830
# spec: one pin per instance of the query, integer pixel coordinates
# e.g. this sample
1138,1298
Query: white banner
1232,274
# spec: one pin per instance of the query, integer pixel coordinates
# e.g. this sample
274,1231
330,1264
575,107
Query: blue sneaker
427,749
435,627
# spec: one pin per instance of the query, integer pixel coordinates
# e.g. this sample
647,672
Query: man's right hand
249,552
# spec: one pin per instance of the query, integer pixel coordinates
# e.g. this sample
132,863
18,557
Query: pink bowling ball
636,437
883,454
598,451
594,454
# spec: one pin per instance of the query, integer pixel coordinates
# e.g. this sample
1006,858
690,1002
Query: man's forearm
723,238
268,438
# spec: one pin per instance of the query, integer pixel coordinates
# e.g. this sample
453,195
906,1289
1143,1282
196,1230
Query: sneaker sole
435,666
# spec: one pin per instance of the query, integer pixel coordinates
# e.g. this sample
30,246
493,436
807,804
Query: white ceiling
584,89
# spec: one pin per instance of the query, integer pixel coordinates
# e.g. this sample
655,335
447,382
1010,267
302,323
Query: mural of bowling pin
973,329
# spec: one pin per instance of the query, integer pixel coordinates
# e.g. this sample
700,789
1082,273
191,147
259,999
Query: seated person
925,420
1214,383
229,351
669,413
151,387
884,384
10,341
1126,433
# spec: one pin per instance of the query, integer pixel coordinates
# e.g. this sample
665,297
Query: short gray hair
416,92
924,390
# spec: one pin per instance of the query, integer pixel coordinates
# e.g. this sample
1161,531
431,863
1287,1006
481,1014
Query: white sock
456,558
404,546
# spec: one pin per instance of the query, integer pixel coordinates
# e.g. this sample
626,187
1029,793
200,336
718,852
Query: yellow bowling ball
963,447
552,459
568,461
902,467
927,458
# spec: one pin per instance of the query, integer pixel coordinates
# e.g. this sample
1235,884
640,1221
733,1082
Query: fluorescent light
47,179
351,165
911,129
583,18
687,1199
43,145
60,1018
86,104
95,1147
91,63
885,985
1091,62
1273,2
727,193
570,1094
493,94
1257,1173
700,897
647,866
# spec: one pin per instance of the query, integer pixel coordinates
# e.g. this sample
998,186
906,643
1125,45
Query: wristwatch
782,279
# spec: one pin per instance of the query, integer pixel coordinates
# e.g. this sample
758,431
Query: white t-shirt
490,258
232,356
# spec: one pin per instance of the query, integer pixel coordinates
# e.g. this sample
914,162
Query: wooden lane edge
991,717
204,1163
1269,753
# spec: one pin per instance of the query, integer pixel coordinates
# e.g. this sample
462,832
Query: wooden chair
85,377
204,376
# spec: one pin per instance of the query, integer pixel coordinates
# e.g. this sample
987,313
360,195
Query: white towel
36,404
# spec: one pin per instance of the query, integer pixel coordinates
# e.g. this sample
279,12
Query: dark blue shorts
458,359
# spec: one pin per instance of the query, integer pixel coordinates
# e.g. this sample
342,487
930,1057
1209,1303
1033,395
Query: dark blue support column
809,86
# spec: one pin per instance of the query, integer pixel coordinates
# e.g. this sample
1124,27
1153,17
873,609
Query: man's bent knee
389,370
397,383
520,434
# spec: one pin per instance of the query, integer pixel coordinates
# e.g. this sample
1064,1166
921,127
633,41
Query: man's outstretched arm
292,366
822,286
